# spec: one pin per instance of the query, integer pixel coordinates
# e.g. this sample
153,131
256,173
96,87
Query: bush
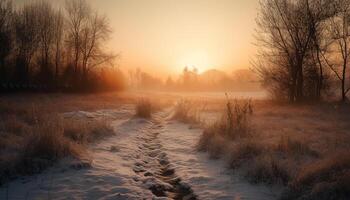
144,108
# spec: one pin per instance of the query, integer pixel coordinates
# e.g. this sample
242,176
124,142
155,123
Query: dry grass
84,132
186,111
292,146
267,169
243,152
216,146
34,135
328,178
233,124
144,108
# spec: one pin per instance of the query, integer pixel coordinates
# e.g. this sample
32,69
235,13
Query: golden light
198,59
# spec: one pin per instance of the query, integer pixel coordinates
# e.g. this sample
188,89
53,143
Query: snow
109,177
209,179
120,113
146,159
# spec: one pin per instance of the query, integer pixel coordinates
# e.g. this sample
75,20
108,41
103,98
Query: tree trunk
300,82
2,70
343,93
56,66
320,80
293,86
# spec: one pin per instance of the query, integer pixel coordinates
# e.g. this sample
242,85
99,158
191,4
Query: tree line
304,48
191,80
45,46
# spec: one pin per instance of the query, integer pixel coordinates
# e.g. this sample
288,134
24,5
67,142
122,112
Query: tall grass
267,168
144,108
83,132
33,139
301,148
328,178
233,124
294,147
186,111
232,137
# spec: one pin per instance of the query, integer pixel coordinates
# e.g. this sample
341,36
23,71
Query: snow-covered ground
210,179
146,159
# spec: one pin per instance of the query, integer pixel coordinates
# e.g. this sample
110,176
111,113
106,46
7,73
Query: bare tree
46,31
27,39
318,14
41,43
58,38
78,12
339,32
95,34
287,30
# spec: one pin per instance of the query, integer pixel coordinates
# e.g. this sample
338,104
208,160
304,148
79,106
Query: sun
199,61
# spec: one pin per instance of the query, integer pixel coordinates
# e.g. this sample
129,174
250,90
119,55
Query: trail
146,159
161,176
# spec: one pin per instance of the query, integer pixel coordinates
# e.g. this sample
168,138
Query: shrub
144,108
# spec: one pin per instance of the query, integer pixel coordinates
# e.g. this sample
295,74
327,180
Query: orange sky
163,36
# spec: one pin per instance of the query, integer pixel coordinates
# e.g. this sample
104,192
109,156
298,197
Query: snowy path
147,159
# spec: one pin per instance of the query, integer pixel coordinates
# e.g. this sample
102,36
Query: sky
164,36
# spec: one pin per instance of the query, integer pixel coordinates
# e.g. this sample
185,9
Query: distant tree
58,39
46,30
170,83
27,39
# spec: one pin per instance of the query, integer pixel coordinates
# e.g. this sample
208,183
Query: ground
158,158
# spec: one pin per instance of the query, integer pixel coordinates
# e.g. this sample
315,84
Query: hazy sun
197,60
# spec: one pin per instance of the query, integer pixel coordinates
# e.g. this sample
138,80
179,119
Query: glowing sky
162,36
